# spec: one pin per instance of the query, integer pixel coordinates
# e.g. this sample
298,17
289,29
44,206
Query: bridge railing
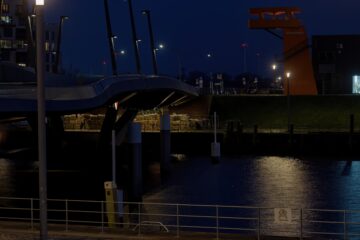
216,221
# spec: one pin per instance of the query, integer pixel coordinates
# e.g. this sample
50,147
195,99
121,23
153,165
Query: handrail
177,218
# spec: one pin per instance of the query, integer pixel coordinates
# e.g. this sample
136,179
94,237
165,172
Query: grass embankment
310,112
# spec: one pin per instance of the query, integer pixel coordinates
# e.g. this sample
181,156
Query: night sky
189,29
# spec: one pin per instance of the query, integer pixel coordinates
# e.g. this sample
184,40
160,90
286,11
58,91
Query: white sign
282,215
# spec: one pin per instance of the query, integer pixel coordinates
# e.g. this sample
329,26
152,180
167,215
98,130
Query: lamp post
274,67
40,73
288,75
135,39
245,46
58,46
152,42
110,36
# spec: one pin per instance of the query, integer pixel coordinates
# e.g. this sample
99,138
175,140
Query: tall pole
288,100
40,72
58,44
1,12
113,154
110,38
134,37
152,42
244,46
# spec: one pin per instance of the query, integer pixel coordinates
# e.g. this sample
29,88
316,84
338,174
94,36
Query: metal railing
219,221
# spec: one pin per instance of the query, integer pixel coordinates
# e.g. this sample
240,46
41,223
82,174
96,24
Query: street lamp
40,75
245,46
57,60
288,75
274,67
152,42
134,37
110,36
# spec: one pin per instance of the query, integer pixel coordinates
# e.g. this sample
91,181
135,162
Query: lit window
5,44
5,8
356,84
6,19
47,46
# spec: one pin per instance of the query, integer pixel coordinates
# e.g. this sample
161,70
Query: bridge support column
165,143
134,139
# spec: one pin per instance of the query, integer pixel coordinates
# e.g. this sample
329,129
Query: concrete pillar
215,146
134,139
165,143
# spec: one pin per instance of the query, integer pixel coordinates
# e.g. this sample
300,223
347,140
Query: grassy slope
316,112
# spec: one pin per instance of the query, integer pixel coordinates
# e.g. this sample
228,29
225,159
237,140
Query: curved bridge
64,95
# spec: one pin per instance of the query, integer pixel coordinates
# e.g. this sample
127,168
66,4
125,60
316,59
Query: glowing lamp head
288,74
274,66
161,46
40,2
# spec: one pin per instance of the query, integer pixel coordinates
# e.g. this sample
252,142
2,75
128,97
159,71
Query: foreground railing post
102,216
258,227
32,213
66,215
177,221
139,218
301,224
345,231
217,222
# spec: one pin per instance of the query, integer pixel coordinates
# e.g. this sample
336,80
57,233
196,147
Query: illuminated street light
147,13
274,67
58,44
40,76
288,75
110,37
134,37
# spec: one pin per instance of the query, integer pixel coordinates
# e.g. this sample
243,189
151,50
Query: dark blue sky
189,29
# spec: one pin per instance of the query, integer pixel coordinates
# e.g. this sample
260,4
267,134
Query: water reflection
268,181
282,182
7,187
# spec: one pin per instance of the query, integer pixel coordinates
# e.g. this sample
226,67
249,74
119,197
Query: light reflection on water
269,181
248,180
7,187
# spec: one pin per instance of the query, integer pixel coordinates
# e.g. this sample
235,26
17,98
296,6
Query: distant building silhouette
337,63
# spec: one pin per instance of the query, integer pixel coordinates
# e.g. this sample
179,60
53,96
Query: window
47,46
6,19
5,8
8,32
21,57
5,44
20,34
20,44
19,9
5,55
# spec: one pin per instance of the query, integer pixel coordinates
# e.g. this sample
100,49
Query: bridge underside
18,98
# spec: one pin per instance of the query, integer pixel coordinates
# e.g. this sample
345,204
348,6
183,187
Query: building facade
336,63
14,41
17,35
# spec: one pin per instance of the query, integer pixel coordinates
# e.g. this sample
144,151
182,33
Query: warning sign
282,215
